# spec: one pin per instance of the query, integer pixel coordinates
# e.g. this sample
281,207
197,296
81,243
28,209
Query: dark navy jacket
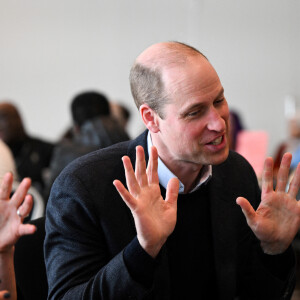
88,226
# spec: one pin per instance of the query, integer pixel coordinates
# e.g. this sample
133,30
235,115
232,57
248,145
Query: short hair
146,81
88,105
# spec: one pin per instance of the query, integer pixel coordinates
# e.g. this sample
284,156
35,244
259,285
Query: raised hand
277,219
154,217
11,223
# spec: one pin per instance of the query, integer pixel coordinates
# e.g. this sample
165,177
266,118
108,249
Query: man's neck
188,173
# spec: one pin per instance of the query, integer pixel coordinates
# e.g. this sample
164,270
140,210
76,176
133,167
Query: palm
277,219
154,217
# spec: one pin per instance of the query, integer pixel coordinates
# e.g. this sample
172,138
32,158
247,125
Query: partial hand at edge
11,225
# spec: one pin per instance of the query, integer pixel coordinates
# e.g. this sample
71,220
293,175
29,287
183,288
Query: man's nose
215,121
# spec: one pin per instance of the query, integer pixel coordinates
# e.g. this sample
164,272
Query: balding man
178,233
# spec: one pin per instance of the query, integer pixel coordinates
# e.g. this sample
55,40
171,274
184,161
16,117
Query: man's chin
220,157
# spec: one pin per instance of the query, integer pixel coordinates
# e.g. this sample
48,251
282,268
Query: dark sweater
190,249
190,242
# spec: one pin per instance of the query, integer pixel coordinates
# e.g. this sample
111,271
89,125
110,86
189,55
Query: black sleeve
139,263
279,265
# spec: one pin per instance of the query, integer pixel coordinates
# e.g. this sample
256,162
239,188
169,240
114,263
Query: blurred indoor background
51,50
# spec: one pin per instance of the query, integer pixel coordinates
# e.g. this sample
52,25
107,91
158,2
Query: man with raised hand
197,243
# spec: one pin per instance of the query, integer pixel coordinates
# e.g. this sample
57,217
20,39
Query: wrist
151,248
9,250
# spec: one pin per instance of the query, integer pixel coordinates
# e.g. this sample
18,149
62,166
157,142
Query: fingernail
7,295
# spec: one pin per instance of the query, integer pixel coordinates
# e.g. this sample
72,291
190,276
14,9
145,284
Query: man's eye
219,101
193,113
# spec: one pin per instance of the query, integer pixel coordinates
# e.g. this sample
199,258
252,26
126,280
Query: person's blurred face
195,124
11,128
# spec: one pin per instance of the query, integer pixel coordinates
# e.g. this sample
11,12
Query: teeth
217,141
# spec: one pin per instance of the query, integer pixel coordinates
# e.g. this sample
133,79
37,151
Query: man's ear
150,118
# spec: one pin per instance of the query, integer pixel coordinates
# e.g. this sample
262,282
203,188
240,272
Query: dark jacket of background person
90,235
32,155
93,128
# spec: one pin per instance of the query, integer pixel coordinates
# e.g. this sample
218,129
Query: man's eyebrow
199,105
221,93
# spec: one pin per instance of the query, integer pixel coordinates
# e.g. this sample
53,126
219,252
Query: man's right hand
154,217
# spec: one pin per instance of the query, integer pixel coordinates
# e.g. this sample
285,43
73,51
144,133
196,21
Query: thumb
26,229
247,209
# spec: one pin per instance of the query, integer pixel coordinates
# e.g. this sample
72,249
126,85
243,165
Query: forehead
195,79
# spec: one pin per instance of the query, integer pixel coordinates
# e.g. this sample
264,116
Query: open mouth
217,141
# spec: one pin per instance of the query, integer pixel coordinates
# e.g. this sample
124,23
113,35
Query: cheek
196,130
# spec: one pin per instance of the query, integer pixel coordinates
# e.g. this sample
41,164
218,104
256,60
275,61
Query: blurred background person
7,162
290,144
121,113
32,155
236,125
93,127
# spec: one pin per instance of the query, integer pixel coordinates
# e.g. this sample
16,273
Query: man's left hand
277,219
